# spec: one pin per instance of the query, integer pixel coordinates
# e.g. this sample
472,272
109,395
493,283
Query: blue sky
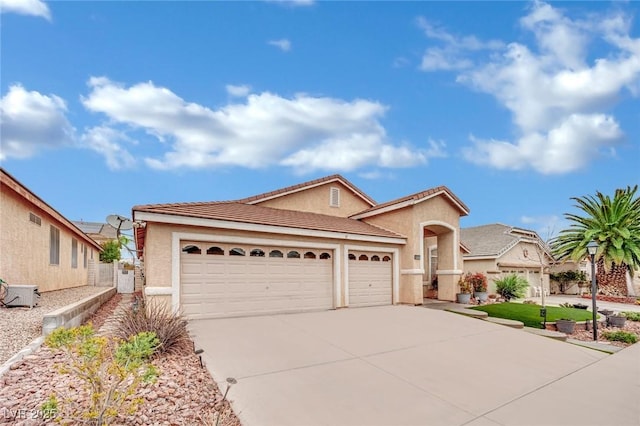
515,106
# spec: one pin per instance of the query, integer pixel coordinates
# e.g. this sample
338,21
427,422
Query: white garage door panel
370,281
223,285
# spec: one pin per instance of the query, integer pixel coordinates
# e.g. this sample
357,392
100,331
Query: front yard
530,314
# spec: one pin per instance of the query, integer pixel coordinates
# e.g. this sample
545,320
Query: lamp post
592,248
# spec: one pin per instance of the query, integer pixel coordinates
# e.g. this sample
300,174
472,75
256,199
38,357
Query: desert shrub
620,336
632,316
511,286
111,370
170,328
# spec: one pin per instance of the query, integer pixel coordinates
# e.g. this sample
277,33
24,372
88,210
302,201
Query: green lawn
530,314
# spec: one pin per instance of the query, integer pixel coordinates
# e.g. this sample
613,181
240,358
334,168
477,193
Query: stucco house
322,244
38,245
497,250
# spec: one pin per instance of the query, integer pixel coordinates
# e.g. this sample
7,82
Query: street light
592,248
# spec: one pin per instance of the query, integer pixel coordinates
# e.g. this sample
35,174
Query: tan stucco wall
24,247
316,200
407,221
158,245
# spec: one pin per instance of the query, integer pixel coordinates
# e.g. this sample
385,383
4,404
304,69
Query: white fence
105,274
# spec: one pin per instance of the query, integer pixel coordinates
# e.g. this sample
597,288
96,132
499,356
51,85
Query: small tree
511,286
110,251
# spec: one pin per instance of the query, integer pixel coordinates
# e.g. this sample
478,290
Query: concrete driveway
400,365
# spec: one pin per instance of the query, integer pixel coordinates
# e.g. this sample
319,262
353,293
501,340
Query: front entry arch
446,238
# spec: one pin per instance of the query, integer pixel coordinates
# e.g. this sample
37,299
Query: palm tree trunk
612,281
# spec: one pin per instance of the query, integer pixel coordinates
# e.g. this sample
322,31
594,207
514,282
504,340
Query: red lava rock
183,392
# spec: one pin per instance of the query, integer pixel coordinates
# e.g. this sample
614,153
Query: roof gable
413,199
496,239
257,199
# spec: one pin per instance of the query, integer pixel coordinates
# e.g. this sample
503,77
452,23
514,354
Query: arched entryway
440,251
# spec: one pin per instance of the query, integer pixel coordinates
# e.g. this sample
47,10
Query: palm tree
615,225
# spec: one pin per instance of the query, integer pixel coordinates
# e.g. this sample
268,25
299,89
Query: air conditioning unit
22,295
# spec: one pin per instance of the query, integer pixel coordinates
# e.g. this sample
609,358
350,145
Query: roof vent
334,197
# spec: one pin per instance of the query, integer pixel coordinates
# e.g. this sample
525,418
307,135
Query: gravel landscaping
630,326
184,393
21,325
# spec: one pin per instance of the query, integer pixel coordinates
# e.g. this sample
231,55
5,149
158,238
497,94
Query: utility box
22,295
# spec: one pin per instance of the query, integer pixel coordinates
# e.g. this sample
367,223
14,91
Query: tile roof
493,239
301,186
417,197
247,213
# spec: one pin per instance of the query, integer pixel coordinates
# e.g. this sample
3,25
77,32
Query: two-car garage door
219,280
223,279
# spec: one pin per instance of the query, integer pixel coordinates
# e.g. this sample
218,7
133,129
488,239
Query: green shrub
632,316
620,336
170,328
511,286
111,370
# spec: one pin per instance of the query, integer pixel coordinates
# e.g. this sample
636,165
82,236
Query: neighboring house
37,244
498,250
322,244
99,232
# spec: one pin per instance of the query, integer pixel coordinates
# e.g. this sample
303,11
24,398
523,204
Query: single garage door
220,280
369,278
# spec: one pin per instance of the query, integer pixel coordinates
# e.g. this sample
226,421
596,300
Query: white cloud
282,44
106,141
306,133
31,121
568,147
452,55
240,91
26,7
558,96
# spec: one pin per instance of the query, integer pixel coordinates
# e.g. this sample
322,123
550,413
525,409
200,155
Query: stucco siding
316,200
25,247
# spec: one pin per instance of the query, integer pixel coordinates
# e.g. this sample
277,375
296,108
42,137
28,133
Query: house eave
253,227
409,203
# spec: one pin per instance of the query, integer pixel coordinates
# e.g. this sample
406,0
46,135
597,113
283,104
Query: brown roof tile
247,213
418,196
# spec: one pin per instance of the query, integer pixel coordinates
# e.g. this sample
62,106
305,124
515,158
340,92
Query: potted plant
465,291
617,320
566,325
479,283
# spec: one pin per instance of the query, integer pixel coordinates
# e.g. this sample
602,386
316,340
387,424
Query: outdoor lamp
592,248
